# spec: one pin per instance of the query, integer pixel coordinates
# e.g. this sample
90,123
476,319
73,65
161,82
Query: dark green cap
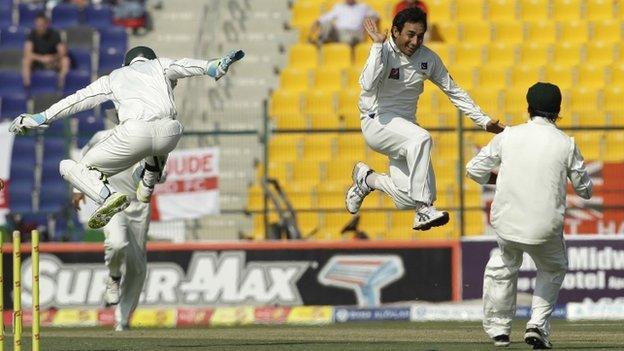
137,51
545,98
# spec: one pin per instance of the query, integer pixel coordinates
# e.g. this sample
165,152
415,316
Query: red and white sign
192,186
6,148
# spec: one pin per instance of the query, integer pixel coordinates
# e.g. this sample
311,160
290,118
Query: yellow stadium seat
573,32
488,99
361,52
307,170
583,99
307,222
425,102
336,55
515,102
332,199
614,100
285,148
509,32
382,7
590,143
469,10
302,56
617,74
304,13
567,54
439,11
325,121
329,78
290,121
348,101
442,49
350,146
541,32
468,55
374,223
294,79
280,170
318,147
534,54
599,10
353,77
340,170
534,10
448,31
285,102
302,200
475,222
591,76
562,76
463,76
525,76
501,10
566,10
593,119
351,120
335,221
500,55
599,53
476,32
606,31
318,101
493,77
255,200
613,147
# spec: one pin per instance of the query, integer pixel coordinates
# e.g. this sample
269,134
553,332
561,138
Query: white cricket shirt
391,83
141,90
535,160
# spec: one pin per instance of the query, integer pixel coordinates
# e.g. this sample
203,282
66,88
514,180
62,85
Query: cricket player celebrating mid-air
391,82
535,160
126,236
148,130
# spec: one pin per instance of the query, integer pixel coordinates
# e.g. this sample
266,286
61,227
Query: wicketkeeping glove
27,121
225,62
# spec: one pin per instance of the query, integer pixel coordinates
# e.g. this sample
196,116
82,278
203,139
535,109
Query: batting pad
88,181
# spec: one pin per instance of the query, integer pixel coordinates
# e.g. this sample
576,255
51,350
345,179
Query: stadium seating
99,16
65,15
28,12
13,37
495,49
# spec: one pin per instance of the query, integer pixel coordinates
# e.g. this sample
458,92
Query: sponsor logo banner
603,309
348,314
277,278
595,269
310,315
446,312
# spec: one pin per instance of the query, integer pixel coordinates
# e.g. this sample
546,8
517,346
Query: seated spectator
343,23
433,33
406,4
44,50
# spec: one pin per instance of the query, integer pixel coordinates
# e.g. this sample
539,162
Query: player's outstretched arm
27,121
218,68
370,26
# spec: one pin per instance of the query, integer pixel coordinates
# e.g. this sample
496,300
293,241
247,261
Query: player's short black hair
411,15
41,14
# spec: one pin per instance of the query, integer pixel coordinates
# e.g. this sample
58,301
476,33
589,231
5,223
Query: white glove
219,70
27,121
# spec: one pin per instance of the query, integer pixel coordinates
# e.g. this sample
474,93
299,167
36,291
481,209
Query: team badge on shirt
423,65
394,73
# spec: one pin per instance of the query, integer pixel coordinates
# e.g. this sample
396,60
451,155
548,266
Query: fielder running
124,247
391,82
535,160
147,130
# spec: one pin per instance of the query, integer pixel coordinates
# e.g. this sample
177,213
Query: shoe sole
536,341
438,222
103,215
354,178
501,344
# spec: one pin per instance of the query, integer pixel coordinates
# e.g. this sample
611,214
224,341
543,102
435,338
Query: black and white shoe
359,190
536,337
501,340
428,217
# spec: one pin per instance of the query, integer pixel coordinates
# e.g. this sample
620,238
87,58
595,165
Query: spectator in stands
44,50
432,33
343,23
406,4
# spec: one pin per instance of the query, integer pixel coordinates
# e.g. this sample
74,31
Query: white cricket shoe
359,190
111,295
537,338
428,217
144,192
119,327
114,204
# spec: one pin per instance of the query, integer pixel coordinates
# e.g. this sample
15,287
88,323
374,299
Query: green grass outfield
353,336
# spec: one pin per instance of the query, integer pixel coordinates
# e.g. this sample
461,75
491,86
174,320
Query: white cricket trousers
500,284
408,147
129,143
125,256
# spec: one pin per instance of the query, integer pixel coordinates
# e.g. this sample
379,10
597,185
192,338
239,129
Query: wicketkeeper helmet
139,51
